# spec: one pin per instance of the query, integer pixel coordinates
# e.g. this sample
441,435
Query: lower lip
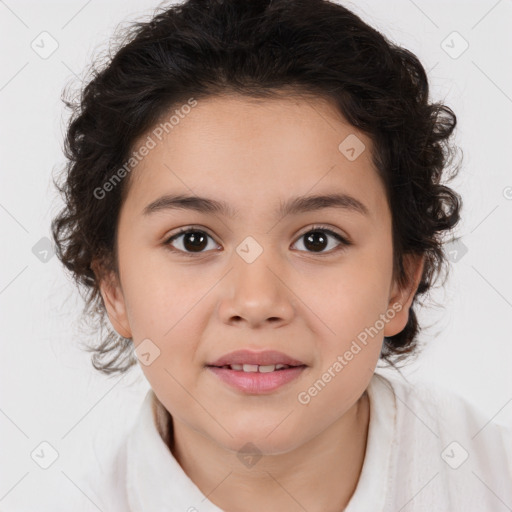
257,382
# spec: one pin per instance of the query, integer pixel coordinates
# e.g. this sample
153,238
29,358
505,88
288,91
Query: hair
256,48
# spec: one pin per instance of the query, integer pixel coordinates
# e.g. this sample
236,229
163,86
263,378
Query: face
307,282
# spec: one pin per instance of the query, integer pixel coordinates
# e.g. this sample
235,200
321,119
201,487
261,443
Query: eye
192,241
317,238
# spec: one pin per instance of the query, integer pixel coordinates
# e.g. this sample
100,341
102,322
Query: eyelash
343,241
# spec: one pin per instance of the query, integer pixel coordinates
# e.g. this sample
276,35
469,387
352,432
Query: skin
309,305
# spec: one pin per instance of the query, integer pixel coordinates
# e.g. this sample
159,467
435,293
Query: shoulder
112,487
430,407
95,487
443,409
445,444
105,483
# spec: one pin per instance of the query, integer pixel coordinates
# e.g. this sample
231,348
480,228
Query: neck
319,476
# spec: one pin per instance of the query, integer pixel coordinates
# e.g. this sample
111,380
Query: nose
256,294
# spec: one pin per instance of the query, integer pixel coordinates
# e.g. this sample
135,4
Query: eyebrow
293,206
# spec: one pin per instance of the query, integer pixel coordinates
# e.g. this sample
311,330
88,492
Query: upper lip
263,358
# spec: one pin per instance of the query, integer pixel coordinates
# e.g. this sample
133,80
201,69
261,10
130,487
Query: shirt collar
373,484
156,481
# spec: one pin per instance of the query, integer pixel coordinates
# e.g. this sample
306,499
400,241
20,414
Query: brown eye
189,241
316,240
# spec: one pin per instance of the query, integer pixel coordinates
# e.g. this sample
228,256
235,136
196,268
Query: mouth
255,368
252,361
256,373
255,379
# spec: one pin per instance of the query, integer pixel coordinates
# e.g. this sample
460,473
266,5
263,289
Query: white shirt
427,450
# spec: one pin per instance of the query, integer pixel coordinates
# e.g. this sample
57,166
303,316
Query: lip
261,358
257,383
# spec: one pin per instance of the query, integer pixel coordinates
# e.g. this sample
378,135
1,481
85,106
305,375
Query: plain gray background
50,391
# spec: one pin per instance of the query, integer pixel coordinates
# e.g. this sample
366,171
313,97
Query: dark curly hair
258,48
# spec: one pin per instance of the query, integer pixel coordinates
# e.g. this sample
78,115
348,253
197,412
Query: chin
258,440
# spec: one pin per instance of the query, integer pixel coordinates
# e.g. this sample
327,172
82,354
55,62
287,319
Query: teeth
267,368
252,368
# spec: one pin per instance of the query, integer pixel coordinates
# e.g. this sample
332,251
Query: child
254,198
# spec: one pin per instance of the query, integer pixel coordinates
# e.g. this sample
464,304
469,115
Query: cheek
351,304
158,293
163,306
355,294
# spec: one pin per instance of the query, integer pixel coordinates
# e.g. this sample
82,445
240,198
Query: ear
113,298
401,297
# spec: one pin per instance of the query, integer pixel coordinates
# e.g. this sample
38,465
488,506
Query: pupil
316,240
194,241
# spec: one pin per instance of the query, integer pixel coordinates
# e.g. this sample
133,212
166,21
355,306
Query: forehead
254,151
